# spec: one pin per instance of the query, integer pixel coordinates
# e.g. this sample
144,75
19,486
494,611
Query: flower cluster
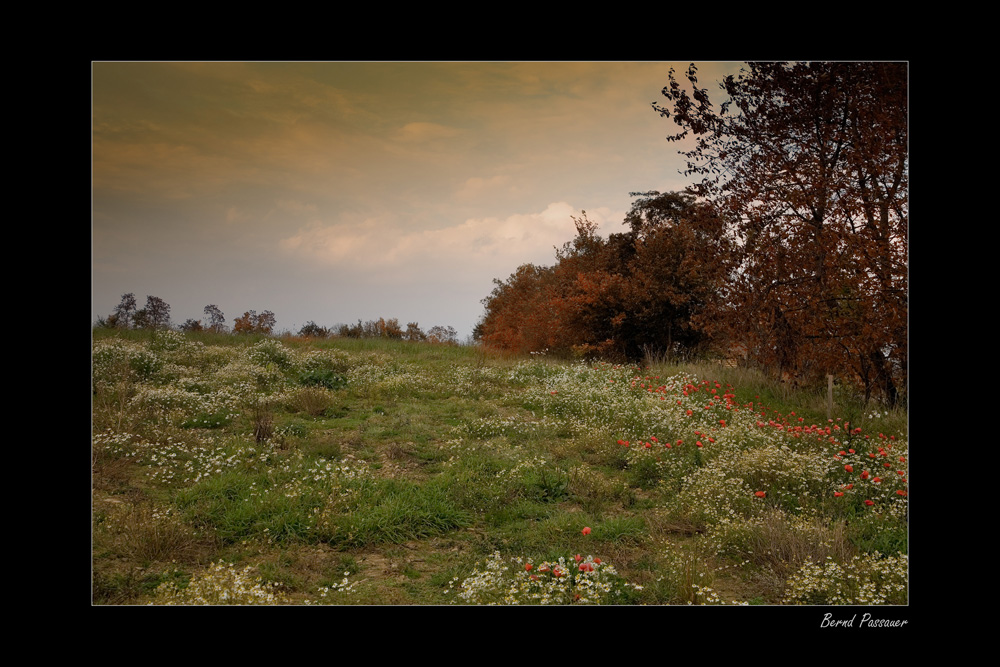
222,584
516,581
869,579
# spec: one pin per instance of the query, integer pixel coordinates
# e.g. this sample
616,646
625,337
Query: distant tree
216,320
442,334
313,330
350,331
252,323
157,313
124,312
109,322
390,329
192,325
266,322
413,332
141,319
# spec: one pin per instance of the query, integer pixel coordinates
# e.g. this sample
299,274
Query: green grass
407,466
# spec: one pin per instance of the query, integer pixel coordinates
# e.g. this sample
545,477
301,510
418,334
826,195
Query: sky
334,192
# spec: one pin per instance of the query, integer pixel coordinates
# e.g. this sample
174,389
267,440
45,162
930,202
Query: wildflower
527,567
586,530
869,502
578,558
760,494
699,443
837,494
864,474
901,492
849,468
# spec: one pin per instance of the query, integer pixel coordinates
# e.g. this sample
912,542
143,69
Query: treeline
644,291
382,328
156,315
789,250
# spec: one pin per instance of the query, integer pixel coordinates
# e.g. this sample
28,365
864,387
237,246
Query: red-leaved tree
808,163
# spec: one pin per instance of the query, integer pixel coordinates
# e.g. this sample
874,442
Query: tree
252,323
157,313
808,162
313,330
124,312
192,325
414,333
677,276
216,320
442,334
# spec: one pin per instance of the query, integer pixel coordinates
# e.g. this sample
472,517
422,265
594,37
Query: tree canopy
790,243
809,164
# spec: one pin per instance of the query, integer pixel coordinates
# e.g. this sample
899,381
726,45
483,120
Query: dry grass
314,401
141,533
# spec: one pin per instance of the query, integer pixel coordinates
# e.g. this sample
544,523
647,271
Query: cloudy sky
340,191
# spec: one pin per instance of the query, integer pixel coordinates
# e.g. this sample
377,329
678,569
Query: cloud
494,246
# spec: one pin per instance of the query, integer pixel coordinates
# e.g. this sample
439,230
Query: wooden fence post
829,396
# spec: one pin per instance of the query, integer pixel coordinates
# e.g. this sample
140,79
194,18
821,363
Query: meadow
257,470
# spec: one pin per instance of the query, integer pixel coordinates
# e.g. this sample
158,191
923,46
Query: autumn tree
252,323
517,316
637,291
442,334
413,332
191,324
808,163
677,276
215,321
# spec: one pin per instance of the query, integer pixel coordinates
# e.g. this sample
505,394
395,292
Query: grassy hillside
259,471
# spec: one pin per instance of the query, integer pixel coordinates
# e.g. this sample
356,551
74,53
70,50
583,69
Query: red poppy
869,502
901,492
586,530
864,474
849,468
578,558
527,567
699,443
837,494
760,494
